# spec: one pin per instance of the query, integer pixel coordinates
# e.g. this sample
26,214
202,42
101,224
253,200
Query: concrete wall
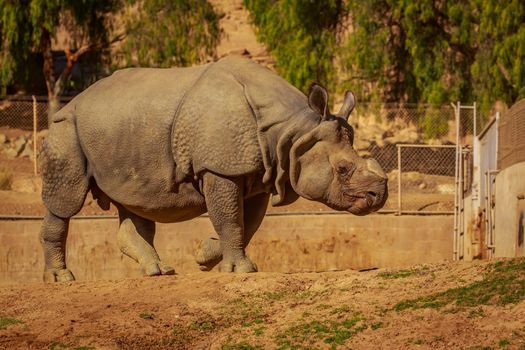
510,211
288,243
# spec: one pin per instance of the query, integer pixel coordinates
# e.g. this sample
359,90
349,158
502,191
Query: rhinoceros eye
344,168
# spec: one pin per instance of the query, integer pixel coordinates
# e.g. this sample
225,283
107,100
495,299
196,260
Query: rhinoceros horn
348,105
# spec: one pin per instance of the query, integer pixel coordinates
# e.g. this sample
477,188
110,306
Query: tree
415,51
301,35
375,58
164,33
499,68
29,26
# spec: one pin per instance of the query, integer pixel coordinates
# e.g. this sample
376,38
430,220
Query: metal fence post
35,121
456,180
398,179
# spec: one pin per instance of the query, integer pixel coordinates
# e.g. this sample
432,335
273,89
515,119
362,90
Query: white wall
510,185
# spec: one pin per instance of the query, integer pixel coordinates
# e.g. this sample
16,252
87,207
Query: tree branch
73,57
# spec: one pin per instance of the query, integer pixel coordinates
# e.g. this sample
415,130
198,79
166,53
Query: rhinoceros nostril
372,194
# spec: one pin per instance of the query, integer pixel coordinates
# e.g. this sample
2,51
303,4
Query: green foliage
301,35
503,343
416,51
499,68
57,346
396,274
377,325
240,346
329,332
7,321
430,51
437,51
27,26
163,33
503,284
203,325
147,316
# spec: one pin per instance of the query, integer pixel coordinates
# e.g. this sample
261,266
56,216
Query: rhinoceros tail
63,167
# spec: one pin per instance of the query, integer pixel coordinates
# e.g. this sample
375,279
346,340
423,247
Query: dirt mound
420,308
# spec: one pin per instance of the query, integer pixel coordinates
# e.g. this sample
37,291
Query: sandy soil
343,310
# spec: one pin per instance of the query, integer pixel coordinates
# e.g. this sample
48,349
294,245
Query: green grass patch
146,315
57,346
7,321
334,333
344,309
258,331
84,348
503,283
396,274
246,314
503,343
203,326
240,346
275,296
377,325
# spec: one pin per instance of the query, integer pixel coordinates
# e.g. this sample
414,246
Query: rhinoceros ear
318,100
348,105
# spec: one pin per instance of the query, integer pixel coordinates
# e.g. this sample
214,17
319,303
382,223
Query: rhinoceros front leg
224,200
209,253
135,239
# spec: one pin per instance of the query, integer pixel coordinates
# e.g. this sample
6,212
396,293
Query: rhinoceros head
325,167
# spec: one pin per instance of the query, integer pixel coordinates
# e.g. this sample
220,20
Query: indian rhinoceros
167,145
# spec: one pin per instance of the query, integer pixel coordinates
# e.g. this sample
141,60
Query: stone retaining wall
287,243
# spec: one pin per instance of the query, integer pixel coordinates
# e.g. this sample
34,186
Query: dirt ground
343,310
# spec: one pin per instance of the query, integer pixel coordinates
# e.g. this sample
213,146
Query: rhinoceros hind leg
53,237
65,182
135,239
208,254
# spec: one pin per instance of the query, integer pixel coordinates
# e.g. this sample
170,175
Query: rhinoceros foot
240,264
58,275
157,268
208,254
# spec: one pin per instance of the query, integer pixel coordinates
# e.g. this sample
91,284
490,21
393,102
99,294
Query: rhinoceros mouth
368,198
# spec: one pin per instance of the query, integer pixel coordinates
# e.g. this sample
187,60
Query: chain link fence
415,144
418,142
16,112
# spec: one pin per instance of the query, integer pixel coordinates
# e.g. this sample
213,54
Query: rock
10,153
27,152
27,185
422,186
240,52
19,144
403,136
42,134
3,139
